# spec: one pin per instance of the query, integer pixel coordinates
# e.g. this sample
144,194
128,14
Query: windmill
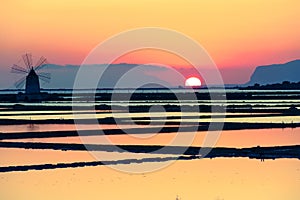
31,74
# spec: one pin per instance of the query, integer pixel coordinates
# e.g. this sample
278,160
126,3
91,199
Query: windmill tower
31,76
32,83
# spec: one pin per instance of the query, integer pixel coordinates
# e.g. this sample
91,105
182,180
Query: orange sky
237,34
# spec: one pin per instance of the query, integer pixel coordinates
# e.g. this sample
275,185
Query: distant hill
63,76
276,73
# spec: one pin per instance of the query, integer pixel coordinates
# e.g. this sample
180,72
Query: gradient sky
238,35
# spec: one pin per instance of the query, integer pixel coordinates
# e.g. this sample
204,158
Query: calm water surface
209,179
214,179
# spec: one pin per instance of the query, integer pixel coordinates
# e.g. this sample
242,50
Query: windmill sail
18,70
27,58
19,84
42,61
46,77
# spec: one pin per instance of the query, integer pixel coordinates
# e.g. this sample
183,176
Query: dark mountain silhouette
276,73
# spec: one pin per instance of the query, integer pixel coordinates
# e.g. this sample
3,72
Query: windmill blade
46,77
27,58
45,80
18,70
42,61
20,82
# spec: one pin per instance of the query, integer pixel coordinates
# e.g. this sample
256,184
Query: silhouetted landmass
151,149
88,164
285,85
160,96
276,73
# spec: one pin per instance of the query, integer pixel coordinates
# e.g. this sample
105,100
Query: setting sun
193,82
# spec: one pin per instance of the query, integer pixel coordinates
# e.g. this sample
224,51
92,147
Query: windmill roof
32,73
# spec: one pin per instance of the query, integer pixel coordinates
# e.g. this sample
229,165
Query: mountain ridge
276,73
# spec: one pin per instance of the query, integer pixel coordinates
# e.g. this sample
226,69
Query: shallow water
63,127
16,156
214,179
232,138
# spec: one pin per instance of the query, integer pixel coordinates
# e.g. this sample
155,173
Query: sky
238,35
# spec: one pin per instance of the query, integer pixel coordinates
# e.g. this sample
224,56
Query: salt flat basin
155,117
21,157
23,128
229,138
220,178
39,115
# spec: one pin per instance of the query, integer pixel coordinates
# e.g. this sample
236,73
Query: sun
193,82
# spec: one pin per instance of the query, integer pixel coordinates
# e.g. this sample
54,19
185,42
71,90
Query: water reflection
232,138
233,179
